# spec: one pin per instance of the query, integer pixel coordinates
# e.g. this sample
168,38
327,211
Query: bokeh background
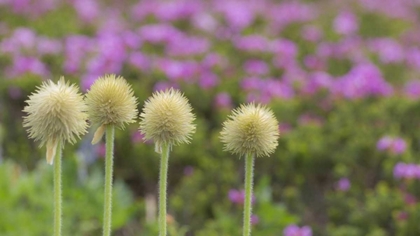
342,77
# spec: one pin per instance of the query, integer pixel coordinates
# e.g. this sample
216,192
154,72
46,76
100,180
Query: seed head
167,119
250,129
55,113
110,100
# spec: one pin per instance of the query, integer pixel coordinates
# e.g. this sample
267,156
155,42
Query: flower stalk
249,182
57,192
109,166
163,179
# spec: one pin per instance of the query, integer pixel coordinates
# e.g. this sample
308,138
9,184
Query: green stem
109,163
57,191
249,175
162,189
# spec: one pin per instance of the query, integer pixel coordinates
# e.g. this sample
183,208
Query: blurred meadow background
342,77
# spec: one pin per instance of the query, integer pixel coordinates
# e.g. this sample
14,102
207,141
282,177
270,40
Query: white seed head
111,100
251,129
167,118
56,113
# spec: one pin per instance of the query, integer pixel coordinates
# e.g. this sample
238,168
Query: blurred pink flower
238,196
384,143
223,100
346,23
137,137
311,33
188,170
159,33
88,10
398,146
164,85
412,89
251,43
238,15
343,184
361,81
208,80
256,67
254,219
294,230
389,50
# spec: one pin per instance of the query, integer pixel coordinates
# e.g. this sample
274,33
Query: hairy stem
162,189
109,165
57,191
249,175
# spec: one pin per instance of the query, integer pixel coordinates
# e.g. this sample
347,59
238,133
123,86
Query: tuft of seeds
167,118
250,129
110,101
56,113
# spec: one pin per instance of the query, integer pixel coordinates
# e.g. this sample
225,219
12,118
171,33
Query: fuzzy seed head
111,100
250,129
56,112
167,118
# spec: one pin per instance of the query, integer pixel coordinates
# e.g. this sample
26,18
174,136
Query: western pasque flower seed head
110,100
251,129
55,113
167,118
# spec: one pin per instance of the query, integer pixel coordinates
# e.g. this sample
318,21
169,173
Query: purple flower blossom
346,23
254,219
88,10
252,43
176,70
384,143
163,85
318,81
187,46
48,46
412,88
140,61
288,12
343,184
294,230
237,14
398,146
223,100
238,197
406,171
285,53
171,11
278,89
137,137
399,170
208,80
389,50
285,128
188,170
256,67
159,33
413,58
361,81
205,22
311,33
22,65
